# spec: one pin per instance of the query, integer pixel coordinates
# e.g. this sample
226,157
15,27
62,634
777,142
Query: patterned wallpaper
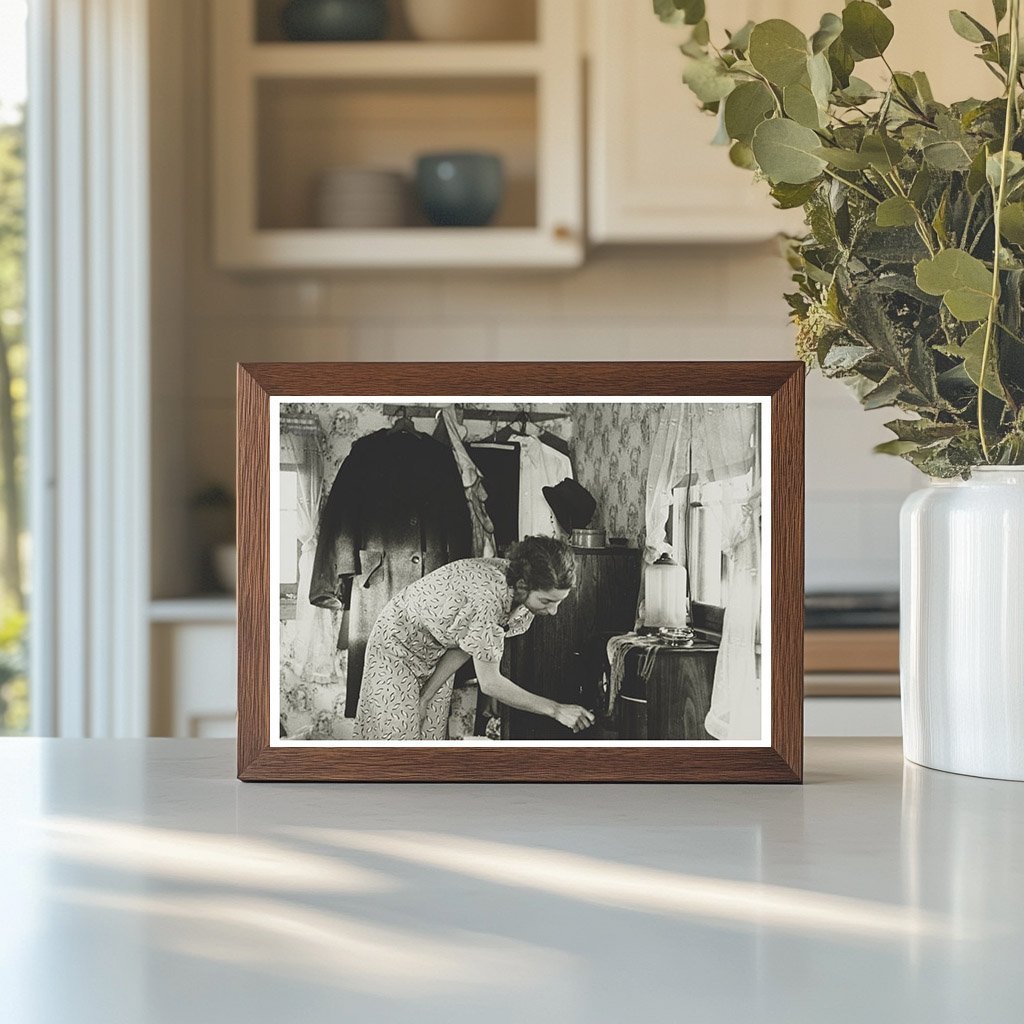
612,451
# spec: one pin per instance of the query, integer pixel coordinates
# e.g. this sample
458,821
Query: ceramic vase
962,624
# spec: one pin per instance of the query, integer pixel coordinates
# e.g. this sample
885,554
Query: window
703,526
14,546
290,543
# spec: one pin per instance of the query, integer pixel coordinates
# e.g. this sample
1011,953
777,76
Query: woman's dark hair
542,563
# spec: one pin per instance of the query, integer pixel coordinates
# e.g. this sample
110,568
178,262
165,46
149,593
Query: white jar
962,624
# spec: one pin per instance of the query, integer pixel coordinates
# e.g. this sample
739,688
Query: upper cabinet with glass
380,133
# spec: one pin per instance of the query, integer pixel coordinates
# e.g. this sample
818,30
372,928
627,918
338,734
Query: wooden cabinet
561,656
286,113
653,175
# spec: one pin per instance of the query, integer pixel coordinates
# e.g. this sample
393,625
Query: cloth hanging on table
472,481
316,628
396,511
498,461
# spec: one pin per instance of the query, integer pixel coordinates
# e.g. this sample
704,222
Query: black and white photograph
520,570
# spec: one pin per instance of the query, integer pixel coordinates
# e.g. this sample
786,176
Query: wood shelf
285,112
393,60
310,248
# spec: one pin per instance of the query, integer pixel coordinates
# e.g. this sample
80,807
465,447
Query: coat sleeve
457,517
337,548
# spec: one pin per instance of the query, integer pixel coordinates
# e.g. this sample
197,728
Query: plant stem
993,309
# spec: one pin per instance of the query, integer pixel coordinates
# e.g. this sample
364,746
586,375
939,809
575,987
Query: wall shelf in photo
285,114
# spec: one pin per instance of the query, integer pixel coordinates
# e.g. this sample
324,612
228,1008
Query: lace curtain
697,443
316,629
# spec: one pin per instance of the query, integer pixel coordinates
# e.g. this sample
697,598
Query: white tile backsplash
718,302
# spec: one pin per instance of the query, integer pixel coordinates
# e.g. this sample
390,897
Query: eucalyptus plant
910,278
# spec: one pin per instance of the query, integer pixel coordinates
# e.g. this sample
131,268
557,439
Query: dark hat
573,505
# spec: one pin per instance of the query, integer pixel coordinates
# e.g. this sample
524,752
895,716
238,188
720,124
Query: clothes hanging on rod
396,511
499,464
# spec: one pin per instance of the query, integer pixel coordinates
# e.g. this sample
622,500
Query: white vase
962,624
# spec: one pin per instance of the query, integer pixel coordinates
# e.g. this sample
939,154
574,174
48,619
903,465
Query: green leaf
701,33
939,220
883,153
739,41
789,197
971,352
708,81
844,159
841,60
830,29
976,175
1011,226
778,50
923,431
895,447
921,186
946,156
858,91
785,152
968,28
963,281
742,155
820,76
924,88
885,394
994,168
745,108
896,212
679,12
999,6
800,105
866,29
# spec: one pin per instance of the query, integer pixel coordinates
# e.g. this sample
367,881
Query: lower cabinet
193,672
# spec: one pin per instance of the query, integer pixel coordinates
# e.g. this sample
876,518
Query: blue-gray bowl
331,21
461,190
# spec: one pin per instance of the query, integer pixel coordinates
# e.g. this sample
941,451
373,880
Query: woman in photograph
463,610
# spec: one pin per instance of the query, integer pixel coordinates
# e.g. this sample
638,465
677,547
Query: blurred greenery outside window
14,546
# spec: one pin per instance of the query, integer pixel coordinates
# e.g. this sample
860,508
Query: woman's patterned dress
465,604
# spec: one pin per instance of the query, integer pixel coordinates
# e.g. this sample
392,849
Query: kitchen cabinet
653,175
286,113
561,656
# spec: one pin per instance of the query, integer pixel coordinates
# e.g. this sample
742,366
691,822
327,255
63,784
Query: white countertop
143,885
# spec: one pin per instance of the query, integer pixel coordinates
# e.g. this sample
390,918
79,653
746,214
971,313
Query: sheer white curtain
724,449
669,466
703,443
316,640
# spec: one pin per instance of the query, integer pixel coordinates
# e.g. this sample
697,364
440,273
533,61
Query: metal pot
587,538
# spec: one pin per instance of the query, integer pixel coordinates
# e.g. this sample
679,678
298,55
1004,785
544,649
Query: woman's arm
451,661
494,684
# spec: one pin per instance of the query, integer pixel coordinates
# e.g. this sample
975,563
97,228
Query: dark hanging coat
397,510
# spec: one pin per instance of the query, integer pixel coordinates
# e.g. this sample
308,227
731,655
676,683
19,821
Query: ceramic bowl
334,20
468,20
460,189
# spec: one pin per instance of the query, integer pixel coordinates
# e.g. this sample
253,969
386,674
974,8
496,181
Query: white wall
654,303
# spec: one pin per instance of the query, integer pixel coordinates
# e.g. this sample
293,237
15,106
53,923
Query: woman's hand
574,717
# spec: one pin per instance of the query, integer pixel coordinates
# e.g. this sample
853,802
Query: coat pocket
371,561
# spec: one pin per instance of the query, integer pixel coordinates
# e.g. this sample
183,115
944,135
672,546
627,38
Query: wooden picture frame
779,386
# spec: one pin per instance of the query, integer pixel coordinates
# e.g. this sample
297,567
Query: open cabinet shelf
286,114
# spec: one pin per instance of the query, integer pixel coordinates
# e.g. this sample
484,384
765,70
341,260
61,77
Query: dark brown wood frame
782,761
